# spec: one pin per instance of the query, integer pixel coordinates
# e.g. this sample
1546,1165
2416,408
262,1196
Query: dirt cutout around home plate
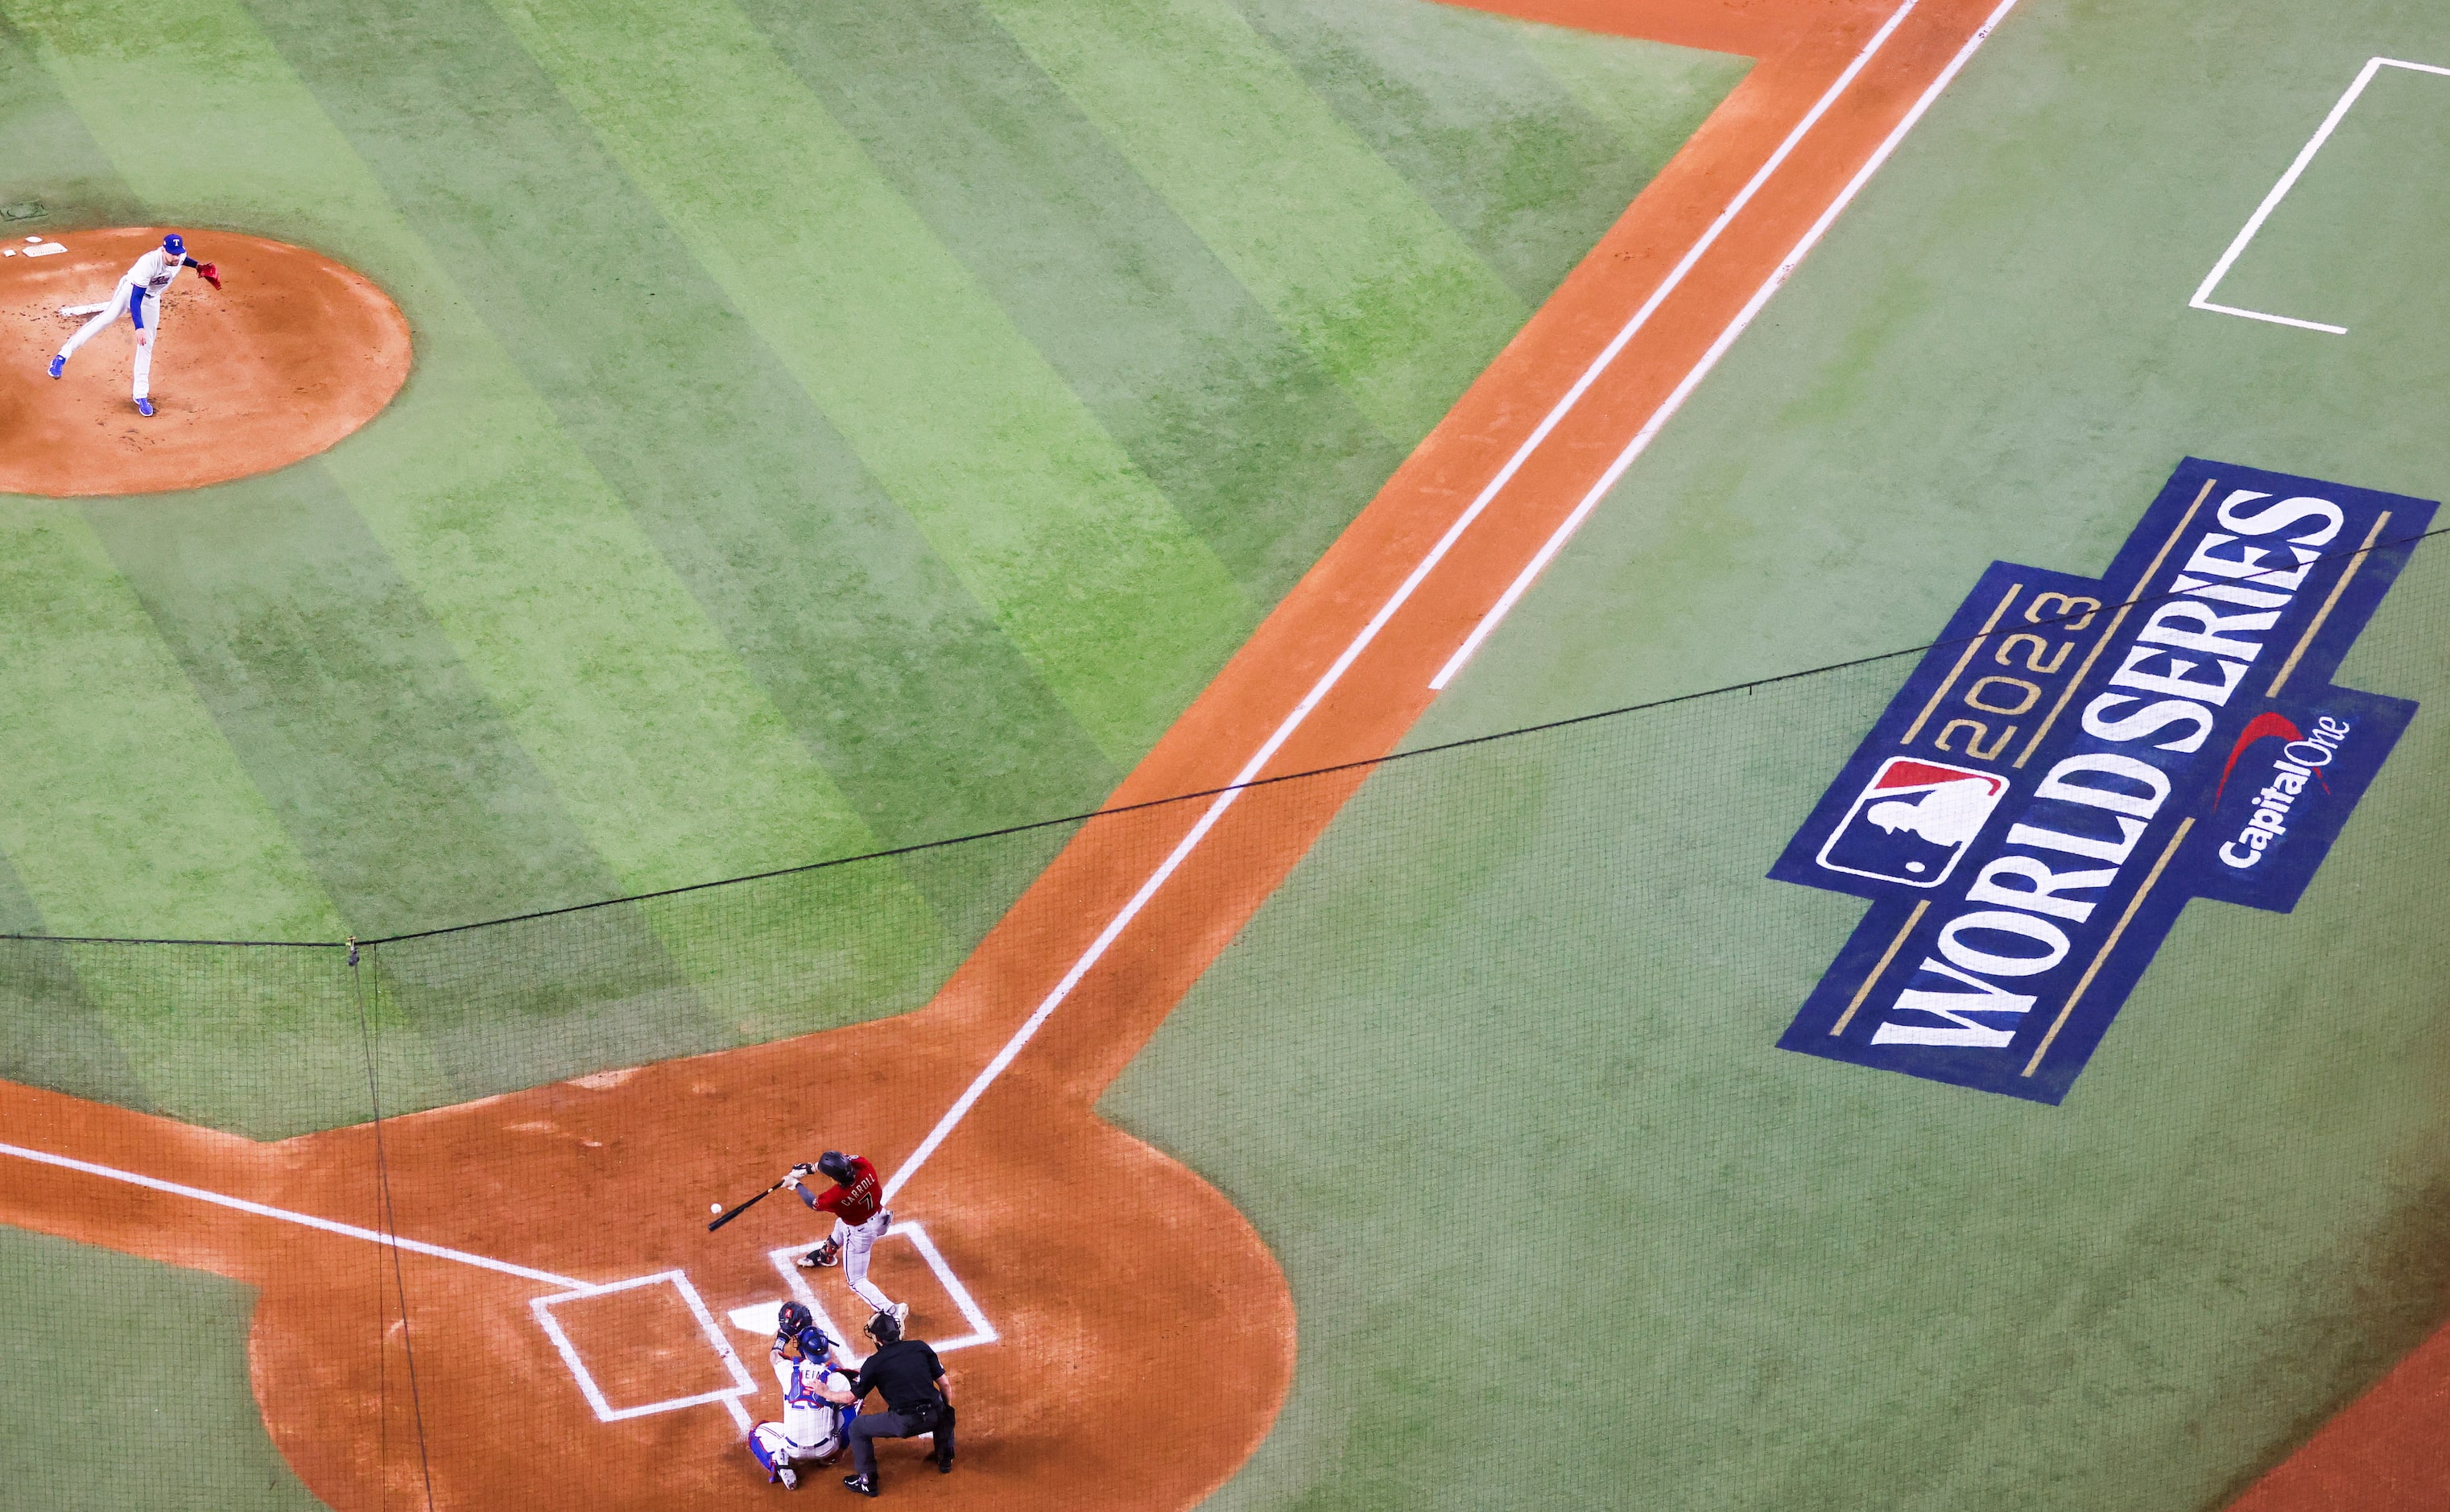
291,354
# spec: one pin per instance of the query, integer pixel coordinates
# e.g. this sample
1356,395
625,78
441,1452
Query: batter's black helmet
885,1329
793,1317
835,1164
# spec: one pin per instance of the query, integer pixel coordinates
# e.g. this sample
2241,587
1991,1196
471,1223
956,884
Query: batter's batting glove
210,275
803,1171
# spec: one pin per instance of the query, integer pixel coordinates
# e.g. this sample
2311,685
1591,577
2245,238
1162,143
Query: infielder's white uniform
138,295
812,1427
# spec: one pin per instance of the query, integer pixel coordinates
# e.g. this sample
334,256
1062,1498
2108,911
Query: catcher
817,1403
144,282
856,1199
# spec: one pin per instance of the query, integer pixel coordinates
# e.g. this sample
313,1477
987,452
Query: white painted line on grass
742,1385
1692,379
1334,674
347,1230
2203,300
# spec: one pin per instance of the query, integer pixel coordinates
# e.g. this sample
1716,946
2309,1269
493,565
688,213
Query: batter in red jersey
857,1201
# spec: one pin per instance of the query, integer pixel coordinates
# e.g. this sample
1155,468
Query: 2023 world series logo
2078,757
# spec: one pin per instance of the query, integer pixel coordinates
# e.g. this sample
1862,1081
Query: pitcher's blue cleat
59,365
144,407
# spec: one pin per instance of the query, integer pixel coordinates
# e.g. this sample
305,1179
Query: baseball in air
714,1207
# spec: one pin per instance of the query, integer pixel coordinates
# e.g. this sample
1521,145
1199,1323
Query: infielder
817,1403
856,1200
139,297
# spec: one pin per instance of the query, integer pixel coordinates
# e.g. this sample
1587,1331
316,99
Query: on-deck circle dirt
292,353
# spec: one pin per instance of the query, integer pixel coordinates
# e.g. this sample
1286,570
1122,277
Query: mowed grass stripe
1331,239
1084,563
124,807
1248,436
1651,96
1532,147
394,773
916,703
670,758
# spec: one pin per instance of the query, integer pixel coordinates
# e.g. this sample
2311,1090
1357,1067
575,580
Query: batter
857,1201
139,297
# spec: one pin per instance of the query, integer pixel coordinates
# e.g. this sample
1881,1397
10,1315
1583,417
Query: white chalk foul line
1334,674
1701,370
307,1220
2203,300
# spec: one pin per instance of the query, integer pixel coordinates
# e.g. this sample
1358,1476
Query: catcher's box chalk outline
2203,298
605,1411
982,1332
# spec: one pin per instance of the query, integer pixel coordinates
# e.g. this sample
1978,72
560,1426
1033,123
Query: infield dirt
290,355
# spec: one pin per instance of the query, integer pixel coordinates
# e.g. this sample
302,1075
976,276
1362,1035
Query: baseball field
467,808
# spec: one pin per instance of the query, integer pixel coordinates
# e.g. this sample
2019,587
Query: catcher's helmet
794,1317
814,1342
835,1164
175,245
885,1329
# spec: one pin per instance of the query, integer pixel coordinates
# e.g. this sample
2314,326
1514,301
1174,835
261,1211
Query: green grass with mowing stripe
1495,1073
662,568
122,799
127,1386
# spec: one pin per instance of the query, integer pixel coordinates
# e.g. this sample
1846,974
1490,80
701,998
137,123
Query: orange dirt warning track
293,353
1143,1336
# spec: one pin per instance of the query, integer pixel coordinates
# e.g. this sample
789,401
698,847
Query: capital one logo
2079,757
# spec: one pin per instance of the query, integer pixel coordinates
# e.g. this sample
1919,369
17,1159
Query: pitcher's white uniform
812,1427
138,295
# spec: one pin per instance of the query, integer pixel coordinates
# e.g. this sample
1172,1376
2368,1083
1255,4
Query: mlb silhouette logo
1912,822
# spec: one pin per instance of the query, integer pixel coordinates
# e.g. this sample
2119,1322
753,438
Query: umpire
908,1374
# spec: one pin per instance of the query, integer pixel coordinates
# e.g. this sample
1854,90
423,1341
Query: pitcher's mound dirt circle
293,353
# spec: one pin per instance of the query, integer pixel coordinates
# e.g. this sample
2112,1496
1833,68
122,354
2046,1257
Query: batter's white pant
856,1241
146,325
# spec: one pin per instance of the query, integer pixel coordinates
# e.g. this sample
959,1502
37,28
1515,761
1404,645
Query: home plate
762,1318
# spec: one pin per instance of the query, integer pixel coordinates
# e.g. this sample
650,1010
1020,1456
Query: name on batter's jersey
856,1202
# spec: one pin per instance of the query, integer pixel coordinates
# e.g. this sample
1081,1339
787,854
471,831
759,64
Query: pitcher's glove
210,275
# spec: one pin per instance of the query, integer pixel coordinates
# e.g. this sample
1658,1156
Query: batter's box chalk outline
605,1410
982,1332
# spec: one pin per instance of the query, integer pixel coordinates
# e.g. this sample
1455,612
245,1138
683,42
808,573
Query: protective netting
1550,953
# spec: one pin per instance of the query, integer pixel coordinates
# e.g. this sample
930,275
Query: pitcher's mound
293,353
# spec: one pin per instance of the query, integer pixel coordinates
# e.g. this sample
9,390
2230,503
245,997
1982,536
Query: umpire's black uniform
908,1374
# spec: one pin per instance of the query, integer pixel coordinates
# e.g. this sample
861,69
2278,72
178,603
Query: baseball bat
746,1206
